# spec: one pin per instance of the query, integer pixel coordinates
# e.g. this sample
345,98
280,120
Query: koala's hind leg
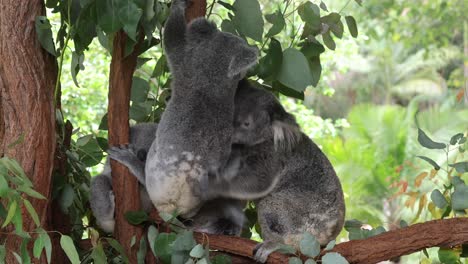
274,231
102,202
133,159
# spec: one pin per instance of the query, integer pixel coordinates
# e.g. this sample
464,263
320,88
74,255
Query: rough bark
124,185
196,9
27,79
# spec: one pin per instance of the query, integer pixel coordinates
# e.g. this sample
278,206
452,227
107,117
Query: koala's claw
263,250
121,153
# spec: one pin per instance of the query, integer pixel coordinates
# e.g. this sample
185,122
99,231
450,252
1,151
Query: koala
218,216
308,196
194,136
102,196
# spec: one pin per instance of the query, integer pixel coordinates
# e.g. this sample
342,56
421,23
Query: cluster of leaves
15,188
291,70
310,247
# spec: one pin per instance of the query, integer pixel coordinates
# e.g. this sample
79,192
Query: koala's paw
122,153
263,250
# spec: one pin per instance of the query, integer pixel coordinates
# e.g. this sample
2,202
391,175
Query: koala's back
308,198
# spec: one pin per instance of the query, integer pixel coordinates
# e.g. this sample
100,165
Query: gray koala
308,196
218,216
102,197
195,132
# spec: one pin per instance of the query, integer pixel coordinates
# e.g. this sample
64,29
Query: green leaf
226,5
32,212
140,89
448,256
11,213
359,2
278,22
184,241
426,142
67,195
129,15
228,26
310,261
142,250
248,19
285,249
433,163
107,13
295,71
3,186
438,199
461,167
163,245
47,246
98,254
197,252
25,258
294,260
76,65
403,224
310,14
152,235
460,198
2,253
312,49
161,67
44,34
323,6
315,70
330,245
27,190
116,245
38,246
69,248
333,20
277,86
333,258
352,26
89,150
18,257
270,64
309,245
136,217
328,40
140,111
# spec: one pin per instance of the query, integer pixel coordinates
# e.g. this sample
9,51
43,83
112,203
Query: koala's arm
246,180
133,159
174,32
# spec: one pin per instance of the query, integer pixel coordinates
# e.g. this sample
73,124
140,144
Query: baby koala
308,196
193,140
219,216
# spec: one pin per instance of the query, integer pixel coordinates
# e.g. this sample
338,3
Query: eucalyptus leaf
136,217
140,89
197,252
3,186
309,245
248,19
107,13
328,40
67,195
11,212
163,244
38,246
98,254
310,14
330,245
226,5
278,22
270,64
32,212
334,258
448,256
427,142
430,161
352,26
294,260
295,71
2,253
116,245
69,248
461,167
129,15
142,251
438,199
460,198
310,261
76,65
44,34
152,235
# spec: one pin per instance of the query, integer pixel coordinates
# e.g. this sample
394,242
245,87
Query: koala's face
252,125
218,54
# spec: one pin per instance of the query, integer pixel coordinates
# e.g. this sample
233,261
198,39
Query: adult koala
218,216
308,196
194,135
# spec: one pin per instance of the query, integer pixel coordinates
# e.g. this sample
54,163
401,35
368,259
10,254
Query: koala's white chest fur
170,183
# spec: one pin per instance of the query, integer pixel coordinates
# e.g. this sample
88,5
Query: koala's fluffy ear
200,29
242,61
286,132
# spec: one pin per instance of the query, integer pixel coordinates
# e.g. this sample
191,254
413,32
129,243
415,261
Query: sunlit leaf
129,15
32,212
11,213
248,19
44,34
448,256
197,252
309,245
98,254
69,248
352,26
295,71
433,163
310,14
152,235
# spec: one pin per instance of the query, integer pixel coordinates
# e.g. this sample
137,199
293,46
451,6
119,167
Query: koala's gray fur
194,135
102,197
308,196
218,216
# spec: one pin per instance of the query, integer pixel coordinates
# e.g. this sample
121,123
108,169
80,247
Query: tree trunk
27,80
